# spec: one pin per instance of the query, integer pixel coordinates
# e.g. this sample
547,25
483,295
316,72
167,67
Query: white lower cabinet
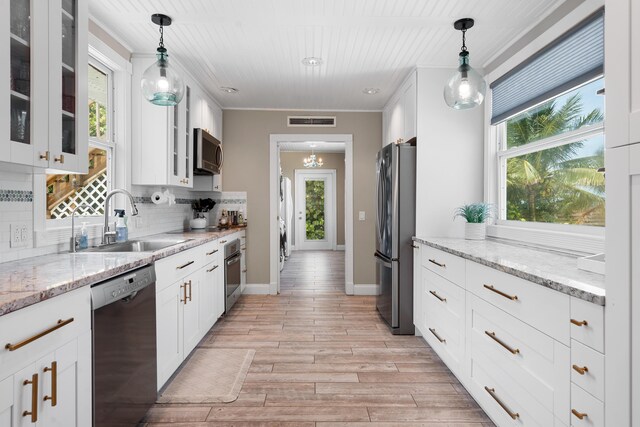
47,382
528,355
169,321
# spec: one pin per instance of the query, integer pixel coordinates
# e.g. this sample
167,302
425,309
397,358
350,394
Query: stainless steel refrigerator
395,227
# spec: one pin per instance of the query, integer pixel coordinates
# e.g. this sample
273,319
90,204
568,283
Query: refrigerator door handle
382,261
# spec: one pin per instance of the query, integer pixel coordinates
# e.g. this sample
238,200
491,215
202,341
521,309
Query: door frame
274,186
330,207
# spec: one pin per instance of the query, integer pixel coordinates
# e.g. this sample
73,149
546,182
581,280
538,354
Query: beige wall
293,160
100,33
246,168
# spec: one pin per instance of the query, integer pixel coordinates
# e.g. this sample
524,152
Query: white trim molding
365,289
257,289
340,247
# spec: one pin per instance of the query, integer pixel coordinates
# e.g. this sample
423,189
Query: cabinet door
68,71
209,304
176,148
417,287
169,303
634,117
22,140
25,398
6,401
191,312
635,277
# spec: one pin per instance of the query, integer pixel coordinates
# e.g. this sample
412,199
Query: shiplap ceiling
318,146
257,45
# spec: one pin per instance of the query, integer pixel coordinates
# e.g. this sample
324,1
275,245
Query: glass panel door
315,210
68,14
20,78
187,135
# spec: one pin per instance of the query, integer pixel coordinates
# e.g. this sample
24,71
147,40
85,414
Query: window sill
590,242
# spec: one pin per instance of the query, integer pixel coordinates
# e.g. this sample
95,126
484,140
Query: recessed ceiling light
229,89
371,90
312,61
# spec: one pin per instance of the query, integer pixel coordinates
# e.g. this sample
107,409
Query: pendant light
466,88
160,84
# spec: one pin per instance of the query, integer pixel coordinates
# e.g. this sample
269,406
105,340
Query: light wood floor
326,359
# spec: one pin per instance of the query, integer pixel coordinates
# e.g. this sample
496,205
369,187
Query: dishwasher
124,348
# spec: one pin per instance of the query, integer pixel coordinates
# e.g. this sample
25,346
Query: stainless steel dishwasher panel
124,348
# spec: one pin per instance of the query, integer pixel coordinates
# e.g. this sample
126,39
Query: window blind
574,58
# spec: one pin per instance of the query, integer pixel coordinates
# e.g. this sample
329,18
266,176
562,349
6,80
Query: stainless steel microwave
208,153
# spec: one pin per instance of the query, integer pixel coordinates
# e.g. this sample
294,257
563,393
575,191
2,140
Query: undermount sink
137,246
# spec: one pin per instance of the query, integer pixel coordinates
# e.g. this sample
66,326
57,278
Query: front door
315,209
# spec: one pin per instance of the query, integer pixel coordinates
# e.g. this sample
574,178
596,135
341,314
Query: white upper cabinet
44,112
622,65
162,137
399,115
211,121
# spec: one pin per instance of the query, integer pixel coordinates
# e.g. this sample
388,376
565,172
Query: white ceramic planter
198,223
475,231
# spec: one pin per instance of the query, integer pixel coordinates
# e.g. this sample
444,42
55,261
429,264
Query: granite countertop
31,280
554,270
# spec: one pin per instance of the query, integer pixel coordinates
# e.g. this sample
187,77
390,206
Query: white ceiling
257,45
319,146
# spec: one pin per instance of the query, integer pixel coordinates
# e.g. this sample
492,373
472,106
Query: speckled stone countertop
554,270
31,280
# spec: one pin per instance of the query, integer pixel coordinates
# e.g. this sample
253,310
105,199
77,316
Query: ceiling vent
311,121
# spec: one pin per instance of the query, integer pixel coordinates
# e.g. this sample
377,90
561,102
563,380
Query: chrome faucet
107,235
75,242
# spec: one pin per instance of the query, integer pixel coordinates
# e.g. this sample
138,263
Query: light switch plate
361,216
19,235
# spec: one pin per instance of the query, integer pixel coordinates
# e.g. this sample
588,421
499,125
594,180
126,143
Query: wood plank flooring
326,359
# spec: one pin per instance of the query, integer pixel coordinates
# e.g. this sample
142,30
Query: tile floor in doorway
326,359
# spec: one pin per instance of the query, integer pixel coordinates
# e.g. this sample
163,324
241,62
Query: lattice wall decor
93,194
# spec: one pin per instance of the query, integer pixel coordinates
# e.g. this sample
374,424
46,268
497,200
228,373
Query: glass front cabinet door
40,118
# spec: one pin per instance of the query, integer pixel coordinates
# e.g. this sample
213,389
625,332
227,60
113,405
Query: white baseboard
340,247
365,289
256,289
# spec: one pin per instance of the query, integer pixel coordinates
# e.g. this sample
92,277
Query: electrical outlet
19,235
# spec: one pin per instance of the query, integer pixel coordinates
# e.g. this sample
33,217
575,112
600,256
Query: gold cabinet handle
180,267
184,293
54,383
212,268
580,369
45,156
435,294
189,289
492,393
499,292
212,252
435,334
60,324
244,271
34,398
579,322
59,159
433,261
579,415
493,336
223,241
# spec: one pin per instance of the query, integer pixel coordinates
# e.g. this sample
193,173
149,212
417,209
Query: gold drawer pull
580,415
433,261
493,336
184,265
184,293
435,294
34,398
244,271
212,268
60,159
580,369
499,292
212,252
60,324
492,393
223,241
44,156
189,289
433,331
54,383
579,322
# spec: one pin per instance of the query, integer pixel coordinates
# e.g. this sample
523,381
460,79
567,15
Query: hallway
326,359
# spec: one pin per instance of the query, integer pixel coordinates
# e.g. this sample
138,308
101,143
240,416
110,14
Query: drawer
586,410
531,359
587,323
449,266
587,369
505,401
211,251
542,308
43,317
442,293
447,345
173,268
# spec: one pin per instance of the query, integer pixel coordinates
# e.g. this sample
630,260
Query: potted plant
199,207
475,214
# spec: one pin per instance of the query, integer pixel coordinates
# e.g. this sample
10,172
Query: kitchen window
66,192
546,139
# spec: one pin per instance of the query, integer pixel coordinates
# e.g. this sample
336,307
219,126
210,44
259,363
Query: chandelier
311,161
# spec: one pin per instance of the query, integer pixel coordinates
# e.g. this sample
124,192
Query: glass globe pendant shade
160,84
466,88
